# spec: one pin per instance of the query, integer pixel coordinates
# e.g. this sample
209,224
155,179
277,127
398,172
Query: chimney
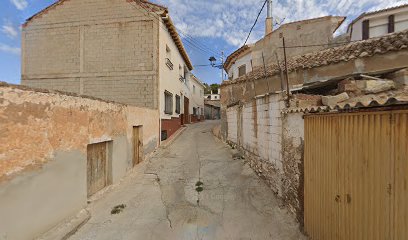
269,19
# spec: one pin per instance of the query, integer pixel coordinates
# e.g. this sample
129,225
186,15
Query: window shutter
391,24
242,70
366,29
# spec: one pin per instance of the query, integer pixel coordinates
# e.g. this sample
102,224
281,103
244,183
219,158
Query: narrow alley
162,197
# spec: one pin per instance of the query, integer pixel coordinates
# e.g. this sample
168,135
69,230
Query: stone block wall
107,49
259,136
272,143
43,153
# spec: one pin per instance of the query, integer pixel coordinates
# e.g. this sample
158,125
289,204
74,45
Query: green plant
118,209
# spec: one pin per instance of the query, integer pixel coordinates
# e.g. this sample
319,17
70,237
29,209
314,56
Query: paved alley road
162,202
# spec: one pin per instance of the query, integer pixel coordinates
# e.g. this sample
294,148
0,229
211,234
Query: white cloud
9,49
9,30
232,19
20,4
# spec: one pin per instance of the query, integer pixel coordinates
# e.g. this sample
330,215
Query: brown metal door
321,195
137,145
97,167
186,110
348,176
399,188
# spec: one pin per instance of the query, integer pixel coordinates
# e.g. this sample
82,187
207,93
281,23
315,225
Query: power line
190,41
256,20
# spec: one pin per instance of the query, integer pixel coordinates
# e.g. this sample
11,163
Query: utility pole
222,66
286,69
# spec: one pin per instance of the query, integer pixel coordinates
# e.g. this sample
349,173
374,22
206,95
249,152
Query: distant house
213,96
379,23
317,32
124,51
197,97
212,109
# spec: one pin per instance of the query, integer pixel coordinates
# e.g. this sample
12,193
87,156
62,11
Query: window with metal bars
168,103
178,101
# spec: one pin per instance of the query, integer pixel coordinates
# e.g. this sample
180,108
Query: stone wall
256,128
107,49
272,142
293,171
43,153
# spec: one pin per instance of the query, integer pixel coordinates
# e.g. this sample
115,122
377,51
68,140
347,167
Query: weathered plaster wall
43,146
102,48
292,153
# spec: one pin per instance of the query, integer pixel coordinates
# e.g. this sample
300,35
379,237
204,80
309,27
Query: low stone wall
43,153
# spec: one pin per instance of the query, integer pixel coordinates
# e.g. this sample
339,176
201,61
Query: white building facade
379,23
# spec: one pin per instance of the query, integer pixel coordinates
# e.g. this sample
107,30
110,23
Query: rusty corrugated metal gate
356,176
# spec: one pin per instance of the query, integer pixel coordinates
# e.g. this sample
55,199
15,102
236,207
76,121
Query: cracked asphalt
162,201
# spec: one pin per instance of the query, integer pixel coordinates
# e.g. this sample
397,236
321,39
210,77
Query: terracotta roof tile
360,49
390,98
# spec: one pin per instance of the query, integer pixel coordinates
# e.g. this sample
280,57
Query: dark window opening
391,24
366,29
168,103
178,100
242,70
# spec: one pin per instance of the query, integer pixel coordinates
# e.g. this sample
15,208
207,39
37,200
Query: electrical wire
190,41
256,20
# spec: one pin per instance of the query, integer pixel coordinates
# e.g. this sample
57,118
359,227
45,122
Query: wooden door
97,177
186,110
137,145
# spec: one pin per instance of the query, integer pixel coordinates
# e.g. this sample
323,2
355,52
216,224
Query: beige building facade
123,51
268,50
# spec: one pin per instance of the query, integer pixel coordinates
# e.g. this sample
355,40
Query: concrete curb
67,228
169,141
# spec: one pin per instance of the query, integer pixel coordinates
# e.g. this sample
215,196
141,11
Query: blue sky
211,26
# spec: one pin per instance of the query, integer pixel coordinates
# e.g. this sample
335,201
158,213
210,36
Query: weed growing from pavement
118,209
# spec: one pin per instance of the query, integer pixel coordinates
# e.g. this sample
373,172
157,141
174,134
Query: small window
391,24
168,103
242,70
194,111
366,29
168,52
215,97
168,58
194,89
178,100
